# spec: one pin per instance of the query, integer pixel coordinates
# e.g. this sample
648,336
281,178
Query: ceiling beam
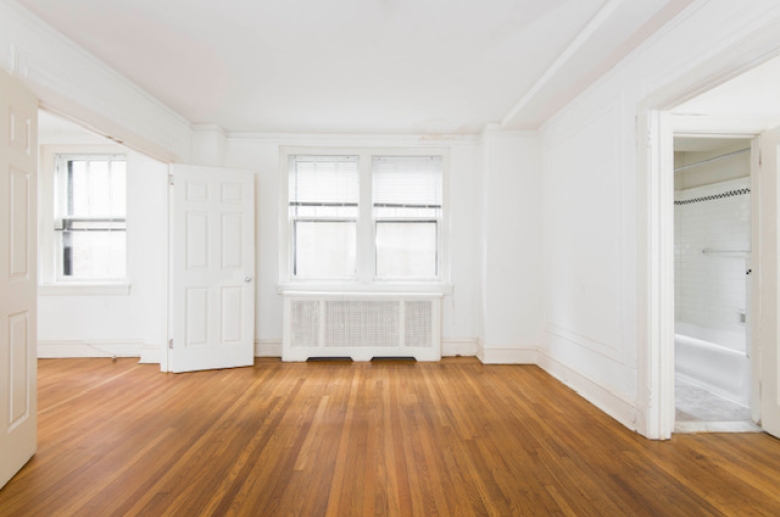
584,35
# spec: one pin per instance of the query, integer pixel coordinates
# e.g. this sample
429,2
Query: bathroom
712,225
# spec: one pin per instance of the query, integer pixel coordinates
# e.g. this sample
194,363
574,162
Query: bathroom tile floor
699,410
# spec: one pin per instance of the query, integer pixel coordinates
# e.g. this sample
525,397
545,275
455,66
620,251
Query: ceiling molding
356,138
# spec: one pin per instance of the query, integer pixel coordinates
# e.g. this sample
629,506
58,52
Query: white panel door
18,277
213,260
765,328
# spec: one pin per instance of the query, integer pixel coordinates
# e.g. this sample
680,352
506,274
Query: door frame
655,268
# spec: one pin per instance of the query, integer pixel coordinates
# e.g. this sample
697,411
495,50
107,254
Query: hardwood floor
385,438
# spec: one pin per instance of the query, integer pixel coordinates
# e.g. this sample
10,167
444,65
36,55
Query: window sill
85,289
440,288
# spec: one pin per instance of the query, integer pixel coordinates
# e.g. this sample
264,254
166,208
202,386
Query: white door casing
213,268
764,332
18,276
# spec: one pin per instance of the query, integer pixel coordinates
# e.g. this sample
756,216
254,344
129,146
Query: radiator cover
361,326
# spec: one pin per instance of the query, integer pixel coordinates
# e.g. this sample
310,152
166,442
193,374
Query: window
324,192
406,194
89,217
364,218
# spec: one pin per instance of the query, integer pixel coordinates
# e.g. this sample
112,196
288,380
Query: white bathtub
715,360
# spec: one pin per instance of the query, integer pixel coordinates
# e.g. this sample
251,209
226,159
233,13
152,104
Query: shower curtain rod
713,159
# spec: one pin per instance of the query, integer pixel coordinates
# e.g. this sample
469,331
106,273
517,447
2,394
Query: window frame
366,279
50,278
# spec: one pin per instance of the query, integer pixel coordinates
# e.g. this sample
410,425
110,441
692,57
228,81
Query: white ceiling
748,103
396,66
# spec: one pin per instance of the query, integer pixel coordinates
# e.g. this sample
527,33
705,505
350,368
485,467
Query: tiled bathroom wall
712,243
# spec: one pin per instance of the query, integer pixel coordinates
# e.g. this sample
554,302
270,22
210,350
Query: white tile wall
710,288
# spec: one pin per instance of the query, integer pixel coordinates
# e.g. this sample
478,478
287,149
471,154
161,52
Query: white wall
117,324
260,154
592,197
511,248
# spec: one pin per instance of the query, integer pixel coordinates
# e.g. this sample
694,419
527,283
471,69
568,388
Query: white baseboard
59,349
459,347
607,401
268,348
151,354
488,354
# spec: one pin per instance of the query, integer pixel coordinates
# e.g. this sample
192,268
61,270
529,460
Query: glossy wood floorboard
386,438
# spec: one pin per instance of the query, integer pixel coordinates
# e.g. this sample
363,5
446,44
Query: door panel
18,277
764,331
213,268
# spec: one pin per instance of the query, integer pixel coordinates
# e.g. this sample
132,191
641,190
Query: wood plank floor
386,438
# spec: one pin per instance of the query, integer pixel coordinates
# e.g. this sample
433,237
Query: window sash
69,222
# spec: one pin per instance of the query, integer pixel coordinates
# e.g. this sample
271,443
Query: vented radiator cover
361,326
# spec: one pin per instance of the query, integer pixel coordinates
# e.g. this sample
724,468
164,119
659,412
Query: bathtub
715,360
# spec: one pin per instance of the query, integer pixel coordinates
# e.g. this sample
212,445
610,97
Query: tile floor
698,410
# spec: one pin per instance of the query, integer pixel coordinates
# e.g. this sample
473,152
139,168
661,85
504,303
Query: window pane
406,250
77,185
95,188
99,189
325,249
94,254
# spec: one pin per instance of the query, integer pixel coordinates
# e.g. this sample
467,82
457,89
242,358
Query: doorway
712,227
746,106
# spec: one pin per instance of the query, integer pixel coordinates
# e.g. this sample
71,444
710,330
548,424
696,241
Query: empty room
389,257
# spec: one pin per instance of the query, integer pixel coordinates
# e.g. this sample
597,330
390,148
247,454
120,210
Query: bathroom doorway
712,228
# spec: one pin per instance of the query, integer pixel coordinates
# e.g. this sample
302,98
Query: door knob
248,279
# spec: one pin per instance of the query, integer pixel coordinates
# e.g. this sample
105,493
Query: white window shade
407,186
324,186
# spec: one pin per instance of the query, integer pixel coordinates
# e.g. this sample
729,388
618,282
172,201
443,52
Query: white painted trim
357,139
151,354
465,347
655,326
506,354
49,349
603,398
584,35
268,348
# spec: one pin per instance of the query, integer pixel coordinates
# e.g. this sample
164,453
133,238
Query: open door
765,328
213,267
18,276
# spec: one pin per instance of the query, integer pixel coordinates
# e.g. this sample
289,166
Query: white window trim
48,281
365,281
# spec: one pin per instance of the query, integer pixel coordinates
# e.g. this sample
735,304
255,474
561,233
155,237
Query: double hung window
407,205
365,217
90,217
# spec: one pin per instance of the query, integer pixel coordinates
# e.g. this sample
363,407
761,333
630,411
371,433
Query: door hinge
170,344
170,179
